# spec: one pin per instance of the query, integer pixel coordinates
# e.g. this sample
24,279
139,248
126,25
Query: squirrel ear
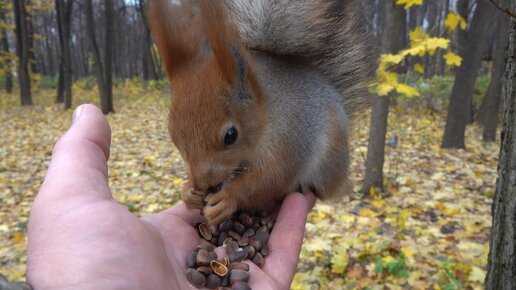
175,32
223,39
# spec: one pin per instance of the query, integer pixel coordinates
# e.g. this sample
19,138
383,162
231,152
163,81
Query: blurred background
424,173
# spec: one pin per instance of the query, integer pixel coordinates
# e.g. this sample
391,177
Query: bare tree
5,48
490,107
64,89
393,38
22,50
461,105
501,266
102,73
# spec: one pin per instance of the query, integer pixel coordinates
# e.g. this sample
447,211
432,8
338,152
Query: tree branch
504,10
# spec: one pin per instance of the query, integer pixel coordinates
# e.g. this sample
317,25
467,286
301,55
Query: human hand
81,238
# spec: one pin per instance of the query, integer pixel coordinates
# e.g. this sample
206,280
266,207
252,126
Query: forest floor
428,230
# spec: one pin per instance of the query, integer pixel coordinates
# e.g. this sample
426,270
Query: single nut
241,286
258,260
262,229
221,238
205,245
239,228
219,268
195,278
204,231
250,251
246,220
225,281
205,270
213,281
244,241
191,260
203,258
226,226
237,256
265,251
231,247
256,244
234,235
239,266
248,233
238,276
262,236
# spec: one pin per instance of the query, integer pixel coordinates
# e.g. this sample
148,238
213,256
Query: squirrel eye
231,136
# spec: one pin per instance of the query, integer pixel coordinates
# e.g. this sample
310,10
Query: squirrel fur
263,95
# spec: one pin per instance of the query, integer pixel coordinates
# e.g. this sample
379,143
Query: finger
79,160
287,237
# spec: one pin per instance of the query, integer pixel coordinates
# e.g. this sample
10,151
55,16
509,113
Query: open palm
81,238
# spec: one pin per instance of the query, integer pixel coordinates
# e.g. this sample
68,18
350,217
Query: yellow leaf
419,68
17,238
384,89
409,3
477,275
407,90
391,59
453,20
365,212
436,42
372,191
452,59
417,36
176,181
340,260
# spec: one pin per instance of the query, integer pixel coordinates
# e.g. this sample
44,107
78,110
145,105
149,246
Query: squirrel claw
219,207
193,199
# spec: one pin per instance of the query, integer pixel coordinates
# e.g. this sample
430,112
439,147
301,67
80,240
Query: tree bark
109,14
64,14
8,77
392,41
22,50
490,107
461,105
501,266
100,71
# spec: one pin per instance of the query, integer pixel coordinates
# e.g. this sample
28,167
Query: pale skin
81,238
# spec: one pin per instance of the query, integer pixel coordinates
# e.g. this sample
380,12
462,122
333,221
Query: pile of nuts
244,236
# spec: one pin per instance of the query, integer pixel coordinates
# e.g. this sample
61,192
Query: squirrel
263,96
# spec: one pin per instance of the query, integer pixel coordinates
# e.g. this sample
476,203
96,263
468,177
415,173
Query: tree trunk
109,14
7,65
460,108
501,265
488,112
64,14
392,41
99,67
22,50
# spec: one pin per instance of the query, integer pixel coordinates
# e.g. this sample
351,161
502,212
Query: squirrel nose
215,188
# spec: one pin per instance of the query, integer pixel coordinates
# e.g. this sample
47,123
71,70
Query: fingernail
77,114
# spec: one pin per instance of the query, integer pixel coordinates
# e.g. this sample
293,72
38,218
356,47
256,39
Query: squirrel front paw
219,206
193,199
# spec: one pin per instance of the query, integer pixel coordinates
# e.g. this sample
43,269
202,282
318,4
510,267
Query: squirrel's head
216,115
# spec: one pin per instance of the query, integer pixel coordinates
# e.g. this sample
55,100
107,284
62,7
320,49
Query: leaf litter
428,229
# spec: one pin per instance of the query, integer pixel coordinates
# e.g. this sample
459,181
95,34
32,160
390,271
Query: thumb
79,159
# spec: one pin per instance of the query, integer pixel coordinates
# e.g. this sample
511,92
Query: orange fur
290,117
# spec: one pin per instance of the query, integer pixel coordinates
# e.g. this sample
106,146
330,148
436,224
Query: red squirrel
263,93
